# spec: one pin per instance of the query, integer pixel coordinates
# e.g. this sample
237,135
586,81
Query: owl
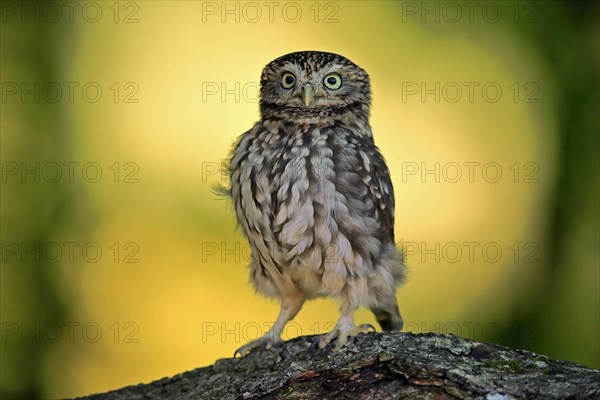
313,195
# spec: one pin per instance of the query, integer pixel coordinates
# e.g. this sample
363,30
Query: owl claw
267,341
342,331
367,327
315,343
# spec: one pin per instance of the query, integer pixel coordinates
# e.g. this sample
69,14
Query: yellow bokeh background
187,301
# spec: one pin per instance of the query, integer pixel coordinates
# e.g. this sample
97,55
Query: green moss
519,367
514,366
287,390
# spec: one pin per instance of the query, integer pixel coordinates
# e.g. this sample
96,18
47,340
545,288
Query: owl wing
382,192
364,175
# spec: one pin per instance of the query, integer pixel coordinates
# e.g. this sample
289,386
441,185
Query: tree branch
378,366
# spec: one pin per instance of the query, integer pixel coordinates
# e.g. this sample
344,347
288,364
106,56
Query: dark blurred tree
33,130
567,34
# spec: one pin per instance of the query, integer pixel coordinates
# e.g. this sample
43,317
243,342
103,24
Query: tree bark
378,366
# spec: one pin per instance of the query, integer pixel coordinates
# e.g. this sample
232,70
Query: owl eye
333,81
287,80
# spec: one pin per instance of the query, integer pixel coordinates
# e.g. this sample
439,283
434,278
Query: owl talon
315,343
367,328
267,341
344,329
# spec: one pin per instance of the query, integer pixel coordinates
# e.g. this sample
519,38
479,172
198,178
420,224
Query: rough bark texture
378,366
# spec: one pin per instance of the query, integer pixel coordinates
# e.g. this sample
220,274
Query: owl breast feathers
313,194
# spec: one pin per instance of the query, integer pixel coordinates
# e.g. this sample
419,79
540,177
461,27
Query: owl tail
388,316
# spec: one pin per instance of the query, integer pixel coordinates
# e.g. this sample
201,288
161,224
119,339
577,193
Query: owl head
313,84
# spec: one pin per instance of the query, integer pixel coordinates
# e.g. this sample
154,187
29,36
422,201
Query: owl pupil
331,80
289,80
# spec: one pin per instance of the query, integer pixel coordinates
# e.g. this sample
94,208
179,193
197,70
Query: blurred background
120,266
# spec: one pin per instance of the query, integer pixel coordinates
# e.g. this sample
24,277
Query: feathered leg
344,328
289,308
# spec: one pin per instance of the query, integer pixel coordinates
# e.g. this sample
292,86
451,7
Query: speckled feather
313,194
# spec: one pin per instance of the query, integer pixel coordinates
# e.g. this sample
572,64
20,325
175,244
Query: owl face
311,83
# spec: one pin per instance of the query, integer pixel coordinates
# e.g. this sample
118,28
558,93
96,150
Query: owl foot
267,341
344,329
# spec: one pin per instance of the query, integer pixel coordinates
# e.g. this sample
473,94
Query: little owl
313,196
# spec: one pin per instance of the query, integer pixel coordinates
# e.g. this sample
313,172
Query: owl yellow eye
333,81
287,80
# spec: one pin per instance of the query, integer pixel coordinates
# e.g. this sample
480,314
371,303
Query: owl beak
309,95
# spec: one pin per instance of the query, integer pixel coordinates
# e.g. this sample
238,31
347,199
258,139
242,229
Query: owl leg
344,328
289,308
